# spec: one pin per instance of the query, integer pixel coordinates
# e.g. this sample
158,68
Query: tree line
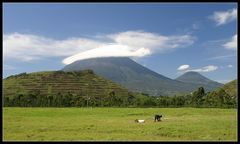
198,98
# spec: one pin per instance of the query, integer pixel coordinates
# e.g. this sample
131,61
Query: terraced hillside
82,84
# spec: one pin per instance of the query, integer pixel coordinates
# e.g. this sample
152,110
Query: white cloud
195,26
186,68
232,44
226,66
223,17
209,68
134,43
153,41
230,66
108,51
183,67
221,57
226,45
27,47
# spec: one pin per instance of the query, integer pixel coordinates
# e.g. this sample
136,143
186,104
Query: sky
168,38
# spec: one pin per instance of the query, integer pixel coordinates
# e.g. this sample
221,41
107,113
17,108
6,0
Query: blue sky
163,37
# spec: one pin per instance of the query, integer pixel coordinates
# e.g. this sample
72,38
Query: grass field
74,124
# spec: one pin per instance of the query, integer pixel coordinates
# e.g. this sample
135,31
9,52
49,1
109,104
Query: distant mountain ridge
133,76
199,80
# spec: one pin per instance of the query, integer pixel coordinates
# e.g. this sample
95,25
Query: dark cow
158,118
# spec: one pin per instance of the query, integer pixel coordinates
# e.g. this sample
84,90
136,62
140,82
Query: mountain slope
231,88
199,80
131,75
54,82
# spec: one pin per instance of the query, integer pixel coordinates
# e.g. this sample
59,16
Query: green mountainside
53,82
225,96
50,86
84,88
231,88
133,76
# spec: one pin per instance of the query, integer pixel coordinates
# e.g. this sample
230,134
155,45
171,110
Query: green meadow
107,124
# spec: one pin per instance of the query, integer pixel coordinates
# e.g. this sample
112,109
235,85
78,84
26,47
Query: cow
139,121
157,118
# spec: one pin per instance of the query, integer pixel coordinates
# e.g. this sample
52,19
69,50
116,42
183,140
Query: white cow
140,121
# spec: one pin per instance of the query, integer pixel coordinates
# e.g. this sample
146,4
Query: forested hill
84,88
231,88
58,88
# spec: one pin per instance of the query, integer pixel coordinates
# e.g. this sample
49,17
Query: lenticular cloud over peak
28,47
113,50
133,44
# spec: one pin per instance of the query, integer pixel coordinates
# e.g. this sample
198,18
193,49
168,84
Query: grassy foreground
66,124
